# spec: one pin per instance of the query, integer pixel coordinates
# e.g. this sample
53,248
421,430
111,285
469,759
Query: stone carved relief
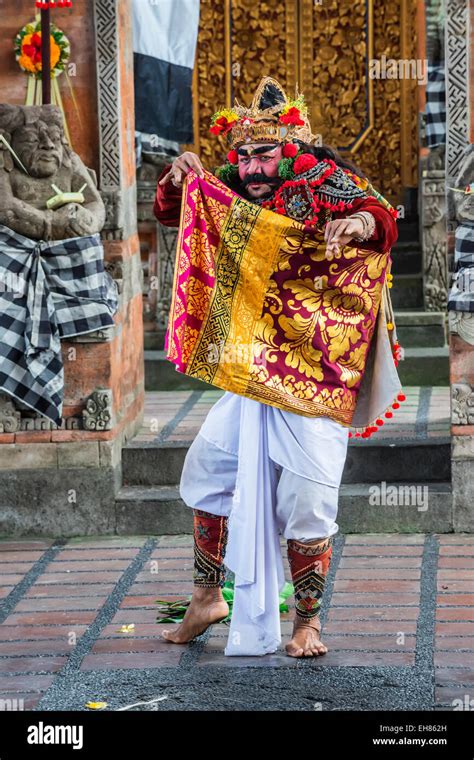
97,414
160,264
9,416
462,404
457,79
462,323
167,238
462,204
40,423
113,226
461,208
107,55
433,232
16,417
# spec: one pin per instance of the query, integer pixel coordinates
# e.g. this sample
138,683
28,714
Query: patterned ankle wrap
210,539
309,566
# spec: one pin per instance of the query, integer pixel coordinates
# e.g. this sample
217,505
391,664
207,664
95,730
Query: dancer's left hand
339,232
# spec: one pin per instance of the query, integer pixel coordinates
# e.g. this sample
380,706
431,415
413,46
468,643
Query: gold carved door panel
328,49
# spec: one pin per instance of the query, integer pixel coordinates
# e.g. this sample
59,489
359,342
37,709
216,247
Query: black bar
45,57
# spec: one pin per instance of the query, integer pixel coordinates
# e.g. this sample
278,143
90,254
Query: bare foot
305,641
207,606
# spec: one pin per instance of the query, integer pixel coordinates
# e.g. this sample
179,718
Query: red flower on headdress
304,162
232,157
292,116
222,126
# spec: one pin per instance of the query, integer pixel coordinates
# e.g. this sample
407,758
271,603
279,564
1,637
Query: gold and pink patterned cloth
257,308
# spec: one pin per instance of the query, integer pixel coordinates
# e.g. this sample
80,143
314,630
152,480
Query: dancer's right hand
181,165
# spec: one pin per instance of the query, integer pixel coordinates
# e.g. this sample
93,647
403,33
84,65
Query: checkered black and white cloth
436,106
464,245
461,294
48,291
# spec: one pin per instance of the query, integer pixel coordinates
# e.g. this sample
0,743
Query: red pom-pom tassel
290,150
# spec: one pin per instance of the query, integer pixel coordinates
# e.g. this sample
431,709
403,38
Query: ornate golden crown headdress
272,117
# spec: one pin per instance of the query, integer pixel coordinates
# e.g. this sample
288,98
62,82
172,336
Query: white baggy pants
270,471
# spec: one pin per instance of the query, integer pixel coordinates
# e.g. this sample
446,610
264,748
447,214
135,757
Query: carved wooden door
328,48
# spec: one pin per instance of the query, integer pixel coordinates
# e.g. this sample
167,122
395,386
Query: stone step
407,291
161,375
368,461
154,341
407,258
419,507
411,507
156,510
424,366
421,328
408,232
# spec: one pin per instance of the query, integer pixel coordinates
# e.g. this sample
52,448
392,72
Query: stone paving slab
176,416
398,619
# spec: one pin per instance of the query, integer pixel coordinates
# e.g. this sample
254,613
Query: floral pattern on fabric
258,309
